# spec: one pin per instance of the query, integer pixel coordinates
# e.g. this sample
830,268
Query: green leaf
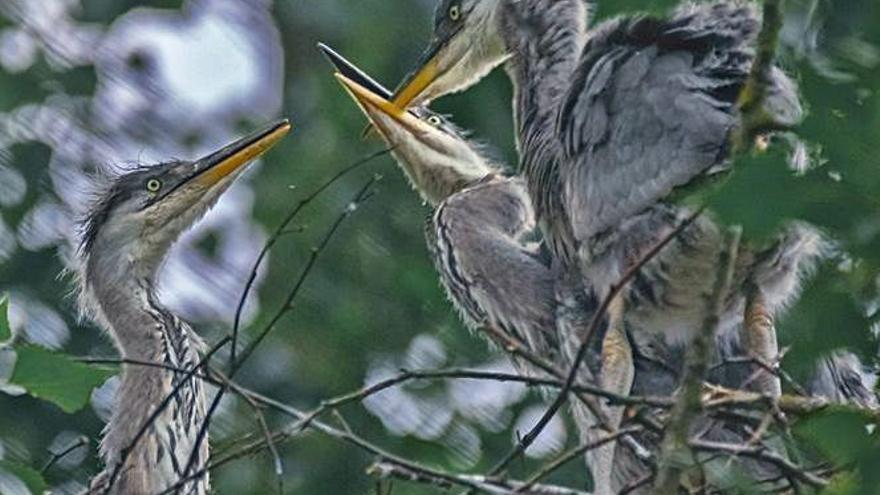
825,318
29,476
56,378
849,439
5,332
825,431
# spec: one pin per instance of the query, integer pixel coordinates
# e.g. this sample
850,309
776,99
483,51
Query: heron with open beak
130,227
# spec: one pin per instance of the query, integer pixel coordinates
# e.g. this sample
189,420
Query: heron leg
617,374
760,342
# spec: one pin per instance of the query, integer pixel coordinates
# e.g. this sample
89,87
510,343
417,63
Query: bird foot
761,344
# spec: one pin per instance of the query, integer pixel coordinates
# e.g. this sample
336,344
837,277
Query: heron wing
651,107
491,272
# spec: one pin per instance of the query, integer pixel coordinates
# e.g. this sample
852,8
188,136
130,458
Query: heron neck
545,38
144,331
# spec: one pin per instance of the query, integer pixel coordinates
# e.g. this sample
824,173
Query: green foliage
29,476
825,318
849,439
56,378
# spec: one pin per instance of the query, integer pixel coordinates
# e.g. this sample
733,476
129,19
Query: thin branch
281,230
615,290
763,454
755,118
575,453
637,484
446,481
362,195
81,441
697,358
267,435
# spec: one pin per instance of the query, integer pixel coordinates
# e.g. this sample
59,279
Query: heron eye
434,121
455,12
153,185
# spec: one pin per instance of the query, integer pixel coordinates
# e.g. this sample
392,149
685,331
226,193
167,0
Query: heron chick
482,266
480,234
126,236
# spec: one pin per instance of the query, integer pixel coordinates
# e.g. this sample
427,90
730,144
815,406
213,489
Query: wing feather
651,107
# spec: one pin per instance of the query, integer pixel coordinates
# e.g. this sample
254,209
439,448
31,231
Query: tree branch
698,354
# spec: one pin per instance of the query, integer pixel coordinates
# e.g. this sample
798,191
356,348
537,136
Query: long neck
144,331
545,38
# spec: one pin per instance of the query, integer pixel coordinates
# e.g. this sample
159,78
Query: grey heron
610,124
482,241
129,229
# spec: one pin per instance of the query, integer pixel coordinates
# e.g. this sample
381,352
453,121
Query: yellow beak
417,84
232,157
371,103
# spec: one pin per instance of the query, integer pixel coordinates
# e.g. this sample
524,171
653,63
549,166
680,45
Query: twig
81,441
267,435
696,364
575,453
279,232
615,290
639,483
763,454
444,480
755,117
363,194
714,397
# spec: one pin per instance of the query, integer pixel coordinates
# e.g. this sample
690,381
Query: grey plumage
483,245
130,226
609,125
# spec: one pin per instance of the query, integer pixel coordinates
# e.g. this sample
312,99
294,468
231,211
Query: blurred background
86,84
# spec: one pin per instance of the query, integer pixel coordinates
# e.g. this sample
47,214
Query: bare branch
482,483
699,353
764,454
80,442
281,230
363,194
574,453
755,118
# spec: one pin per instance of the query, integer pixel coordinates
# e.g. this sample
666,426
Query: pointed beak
353,72
220,164
411,91
382,112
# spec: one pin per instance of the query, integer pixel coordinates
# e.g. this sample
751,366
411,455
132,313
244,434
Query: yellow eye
455,12
153,185
434,121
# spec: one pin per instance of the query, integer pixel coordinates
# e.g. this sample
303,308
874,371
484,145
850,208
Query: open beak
382,112
353,72
220,164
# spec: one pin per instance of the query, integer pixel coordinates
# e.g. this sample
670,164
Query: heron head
142,212
466,45
436,156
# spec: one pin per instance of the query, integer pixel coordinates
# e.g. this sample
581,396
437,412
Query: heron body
128,231
479,213
610,124
481,236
